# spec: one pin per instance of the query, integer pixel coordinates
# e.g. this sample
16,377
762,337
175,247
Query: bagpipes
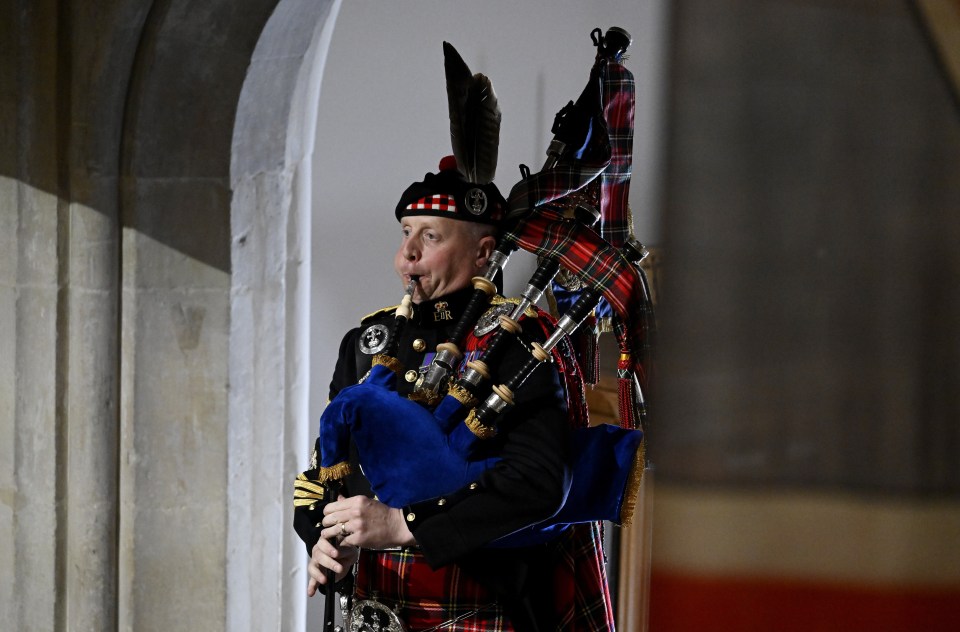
436,449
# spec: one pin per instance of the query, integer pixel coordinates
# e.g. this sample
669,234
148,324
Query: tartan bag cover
596,258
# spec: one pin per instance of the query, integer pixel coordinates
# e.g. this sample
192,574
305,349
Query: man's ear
484,249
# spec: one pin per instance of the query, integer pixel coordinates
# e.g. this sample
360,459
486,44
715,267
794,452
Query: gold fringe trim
480,430
634,479
388,361
426,398
462,395
334,472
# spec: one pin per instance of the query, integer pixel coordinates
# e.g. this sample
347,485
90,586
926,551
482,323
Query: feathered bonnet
463,186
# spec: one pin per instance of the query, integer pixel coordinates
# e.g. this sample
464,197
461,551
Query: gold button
442,502
419,345
474,485
319,524
410,376
411,517
313,506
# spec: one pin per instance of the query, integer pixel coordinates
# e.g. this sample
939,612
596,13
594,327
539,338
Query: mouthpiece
404,311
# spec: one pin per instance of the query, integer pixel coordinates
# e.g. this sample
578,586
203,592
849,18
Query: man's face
445,253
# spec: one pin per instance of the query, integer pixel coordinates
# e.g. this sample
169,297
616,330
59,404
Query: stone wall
118,121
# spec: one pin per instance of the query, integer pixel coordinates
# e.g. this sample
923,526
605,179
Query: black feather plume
474,118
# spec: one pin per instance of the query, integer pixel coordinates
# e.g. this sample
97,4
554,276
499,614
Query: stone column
269,334
58,278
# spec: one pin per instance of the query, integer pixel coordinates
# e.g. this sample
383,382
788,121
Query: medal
374,339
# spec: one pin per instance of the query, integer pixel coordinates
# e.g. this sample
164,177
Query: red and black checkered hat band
438,202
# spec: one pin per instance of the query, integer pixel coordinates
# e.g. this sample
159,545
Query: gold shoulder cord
380,312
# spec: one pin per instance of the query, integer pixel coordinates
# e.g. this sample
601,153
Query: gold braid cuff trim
334,472
462,395
388,361
480,430
634,479
306,497
305,502
303,486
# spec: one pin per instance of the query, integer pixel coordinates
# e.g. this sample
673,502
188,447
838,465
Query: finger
338,505
317,576
324,546
321,562
331,534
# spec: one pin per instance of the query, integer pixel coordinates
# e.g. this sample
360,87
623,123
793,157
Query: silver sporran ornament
369,615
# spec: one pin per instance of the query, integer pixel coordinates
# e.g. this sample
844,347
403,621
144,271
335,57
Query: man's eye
431,236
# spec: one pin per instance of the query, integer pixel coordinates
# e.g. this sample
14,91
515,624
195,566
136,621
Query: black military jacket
528,483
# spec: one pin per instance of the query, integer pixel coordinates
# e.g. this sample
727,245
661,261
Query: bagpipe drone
434,450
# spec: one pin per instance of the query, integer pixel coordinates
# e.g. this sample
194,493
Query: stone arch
270,178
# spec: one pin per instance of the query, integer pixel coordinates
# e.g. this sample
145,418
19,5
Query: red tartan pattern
595,259
581,565
618,98
439,202
424,597
582,251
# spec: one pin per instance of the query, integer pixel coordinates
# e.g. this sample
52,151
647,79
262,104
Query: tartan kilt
424,598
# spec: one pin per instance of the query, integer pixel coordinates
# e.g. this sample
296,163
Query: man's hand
362,521
325,556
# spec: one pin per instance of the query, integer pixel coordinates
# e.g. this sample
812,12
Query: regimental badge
476,201
491,319
374,339
441,311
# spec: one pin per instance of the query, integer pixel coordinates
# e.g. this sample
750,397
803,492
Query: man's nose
410,252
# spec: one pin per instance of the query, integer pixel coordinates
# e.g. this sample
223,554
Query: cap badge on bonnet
476,201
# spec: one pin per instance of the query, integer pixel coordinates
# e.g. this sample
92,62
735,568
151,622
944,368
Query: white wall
383,123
